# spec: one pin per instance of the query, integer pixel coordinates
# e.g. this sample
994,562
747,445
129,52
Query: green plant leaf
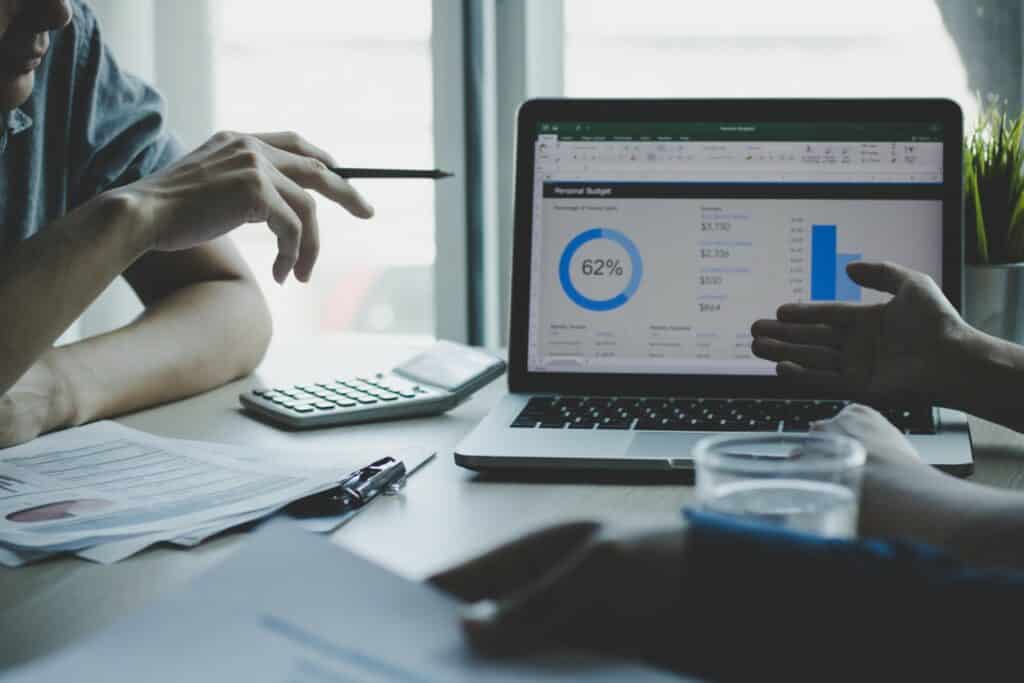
979,222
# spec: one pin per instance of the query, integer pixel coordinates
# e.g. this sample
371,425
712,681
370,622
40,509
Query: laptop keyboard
691,414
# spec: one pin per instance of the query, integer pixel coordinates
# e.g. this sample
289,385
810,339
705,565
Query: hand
881,440
901,347
234,179
579,585
38,402
901,496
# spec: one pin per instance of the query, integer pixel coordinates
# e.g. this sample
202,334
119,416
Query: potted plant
994,225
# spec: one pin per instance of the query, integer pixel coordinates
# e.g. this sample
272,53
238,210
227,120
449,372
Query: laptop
650,234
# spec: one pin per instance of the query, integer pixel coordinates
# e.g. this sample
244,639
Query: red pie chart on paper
61,509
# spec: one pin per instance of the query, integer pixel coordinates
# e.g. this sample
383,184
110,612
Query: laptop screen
656,245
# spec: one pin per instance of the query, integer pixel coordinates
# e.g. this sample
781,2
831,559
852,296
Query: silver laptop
650,234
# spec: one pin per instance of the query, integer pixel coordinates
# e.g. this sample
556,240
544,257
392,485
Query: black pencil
434,174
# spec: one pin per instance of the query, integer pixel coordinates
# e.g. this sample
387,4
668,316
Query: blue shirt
87,127
761,603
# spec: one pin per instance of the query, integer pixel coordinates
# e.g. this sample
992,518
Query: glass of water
805,482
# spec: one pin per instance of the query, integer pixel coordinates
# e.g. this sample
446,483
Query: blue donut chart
565,272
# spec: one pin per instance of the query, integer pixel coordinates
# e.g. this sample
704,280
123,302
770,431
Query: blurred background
424,83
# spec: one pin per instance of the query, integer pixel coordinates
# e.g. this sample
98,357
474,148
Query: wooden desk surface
445,515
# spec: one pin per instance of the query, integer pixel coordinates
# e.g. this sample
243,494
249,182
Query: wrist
62,404
127,214
960,347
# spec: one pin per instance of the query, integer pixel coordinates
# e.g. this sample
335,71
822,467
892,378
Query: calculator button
406,394
387,397
366,400
323,405
346,404
302,409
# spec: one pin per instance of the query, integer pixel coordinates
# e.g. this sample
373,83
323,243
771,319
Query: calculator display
447,366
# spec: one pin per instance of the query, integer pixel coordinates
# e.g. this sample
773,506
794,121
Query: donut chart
610,268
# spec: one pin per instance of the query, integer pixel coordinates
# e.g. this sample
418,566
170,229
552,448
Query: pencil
434,174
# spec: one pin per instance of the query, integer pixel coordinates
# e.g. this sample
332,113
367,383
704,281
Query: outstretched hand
897,349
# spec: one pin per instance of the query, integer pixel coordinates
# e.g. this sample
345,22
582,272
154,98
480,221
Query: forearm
48,280
984,374
979,525
194,339
764,603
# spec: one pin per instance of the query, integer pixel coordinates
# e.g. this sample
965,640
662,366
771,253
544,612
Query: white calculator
429,383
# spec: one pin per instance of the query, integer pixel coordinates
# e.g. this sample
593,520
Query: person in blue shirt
932,589
92,187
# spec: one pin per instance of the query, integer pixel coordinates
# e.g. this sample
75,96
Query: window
784,48
356,81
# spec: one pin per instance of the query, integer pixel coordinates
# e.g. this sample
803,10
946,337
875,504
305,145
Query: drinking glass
805,482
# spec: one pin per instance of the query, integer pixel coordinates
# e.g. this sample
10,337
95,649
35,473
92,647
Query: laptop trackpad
662,445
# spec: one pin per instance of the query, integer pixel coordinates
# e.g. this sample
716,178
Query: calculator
428,383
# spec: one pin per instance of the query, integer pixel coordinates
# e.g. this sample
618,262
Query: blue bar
846,289
823,263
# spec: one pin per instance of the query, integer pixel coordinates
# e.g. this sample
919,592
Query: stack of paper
105,492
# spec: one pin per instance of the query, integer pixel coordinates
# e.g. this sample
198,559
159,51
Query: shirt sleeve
763,602
119,125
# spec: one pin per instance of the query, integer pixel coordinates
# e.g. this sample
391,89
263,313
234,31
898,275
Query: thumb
885,277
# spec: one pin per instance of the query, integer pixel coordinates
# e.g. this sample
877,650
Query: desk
447,513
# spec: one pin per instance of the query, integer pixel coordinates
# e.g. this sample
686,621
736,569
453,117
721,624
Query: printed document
105,482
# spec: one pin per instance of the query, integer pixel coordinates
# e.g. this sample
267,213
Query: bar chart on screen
829,281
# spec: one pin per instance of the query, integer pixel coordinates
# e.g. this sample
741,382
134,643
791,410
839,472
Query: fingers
811,357
296,144
512,566
814,334
275,169
852,418
885,277
309,167
837,314
269,206
882,440
308,249
822,379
